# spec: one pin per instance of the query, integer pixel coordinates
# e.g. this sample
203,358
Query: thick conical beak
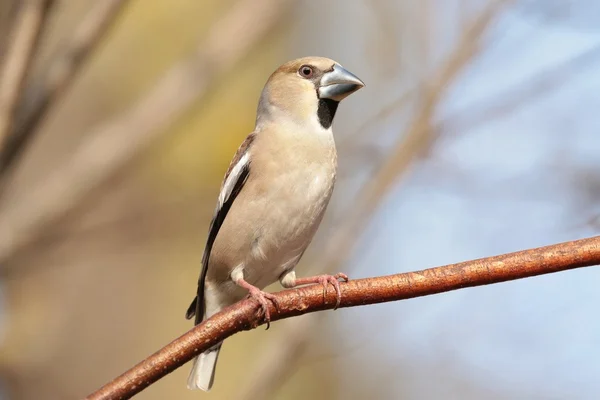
338,84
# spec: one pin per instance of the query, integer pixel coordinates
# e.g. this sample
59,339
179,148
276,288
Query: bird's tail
202,374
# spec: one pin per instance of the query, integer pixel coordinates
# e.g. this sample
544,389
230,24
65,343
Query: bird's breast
293,202
299,197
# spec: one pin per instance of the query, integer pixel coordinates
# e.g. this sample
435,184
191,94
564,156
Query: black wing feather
197,306
215,225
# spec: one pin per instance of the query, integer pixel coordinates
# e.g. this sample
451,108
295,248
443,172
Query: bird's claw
335,282
261,297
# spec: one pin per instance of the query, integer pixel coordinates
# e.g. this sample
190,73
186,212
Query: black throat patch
326,112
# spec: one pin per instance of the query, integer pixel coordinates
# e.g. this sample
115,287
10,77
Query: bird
273,197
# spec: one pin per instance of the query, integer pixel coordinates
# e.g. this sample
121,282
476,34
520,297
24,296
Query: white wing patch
233,178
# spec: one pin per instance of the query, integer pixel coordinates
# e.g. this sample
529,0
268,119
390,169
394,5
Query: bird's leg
255,293
289,280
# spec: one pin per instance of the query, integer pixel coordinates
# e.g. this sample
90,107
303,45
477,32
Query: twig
414,143
63,70
111,145
25,35
242,316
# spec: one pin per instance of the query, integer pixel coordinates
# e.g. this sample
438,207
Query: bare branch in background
63,70
7,16
415,142
106,151
242,315
29,23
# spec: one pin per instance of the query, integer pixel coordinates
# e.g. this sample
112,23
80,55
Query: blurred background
477,134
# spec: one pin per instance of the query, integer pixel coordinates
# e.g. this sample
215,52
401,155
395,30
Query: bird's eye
305,71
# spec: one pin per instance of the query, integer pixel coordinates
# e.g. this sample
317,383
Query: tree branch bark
242,316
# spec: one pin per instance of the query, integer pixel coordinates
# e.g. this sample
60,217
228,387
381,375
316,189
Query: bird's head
306,89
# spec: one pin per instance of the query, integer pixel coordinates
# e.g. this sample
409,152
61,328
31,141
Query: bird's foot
261,298
325,280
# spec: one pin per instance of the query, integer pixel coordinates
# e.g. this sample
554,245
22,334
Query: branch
241,316
25,35
112,145
63,70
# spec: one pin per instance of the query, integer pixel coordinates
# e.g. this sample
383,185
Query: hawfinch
273,196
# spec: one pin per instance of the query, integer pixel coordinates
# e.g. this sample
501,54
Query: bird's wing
234,181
